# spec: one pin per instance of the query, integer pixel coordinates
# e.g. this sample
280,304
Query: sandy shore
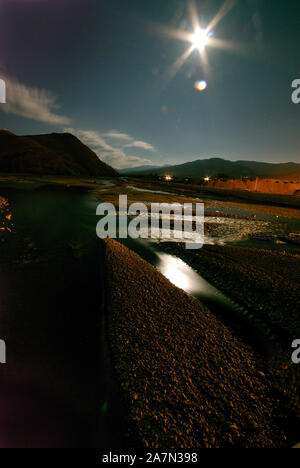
187,380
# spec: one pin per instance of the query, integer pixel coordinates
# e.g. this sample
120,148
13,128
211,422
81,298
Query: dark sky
101,68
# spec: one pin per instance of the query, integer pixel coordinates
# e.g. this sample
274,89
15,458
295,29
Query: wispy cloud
140,144
115,135
91,138
113,155
32,103
132,143
120,160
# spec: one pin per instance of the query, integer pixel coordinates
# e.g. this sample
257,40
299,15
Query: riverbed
55,326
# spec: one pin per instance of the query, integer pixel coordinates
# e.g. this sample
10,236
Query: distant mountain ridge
216,166
50,154
138,169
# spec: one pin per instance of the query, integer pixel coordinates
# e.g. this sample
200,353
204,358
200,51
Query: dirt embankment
187,380
283,187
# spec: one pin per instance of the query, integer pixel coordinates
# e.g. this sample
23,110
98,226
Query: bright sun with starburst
200,39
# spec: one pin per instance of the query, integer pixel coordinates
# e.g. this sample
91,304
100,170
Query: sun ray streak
167,31
227,6
205,63
179,62
233,47
194,14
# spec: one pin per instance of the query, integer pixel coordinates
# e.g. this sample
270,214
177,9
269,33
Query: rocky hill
50,154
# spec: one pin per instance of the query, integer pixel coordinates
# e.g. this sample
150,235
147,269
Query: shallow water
108,183
138,189
226,230
52,321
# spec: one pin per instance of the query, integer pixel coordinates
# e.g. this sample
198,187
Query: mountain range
215,167
64,154
50,154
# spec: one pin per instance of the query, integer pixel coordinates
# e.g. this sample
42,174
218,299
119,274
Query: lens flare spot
200,85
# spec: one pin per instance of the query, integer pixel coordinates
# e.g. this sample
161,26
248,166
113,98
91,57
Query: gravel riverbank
187,380
266,284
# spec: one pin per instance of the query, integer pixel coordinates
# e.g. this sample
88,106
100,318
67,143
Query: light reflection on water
175,270
138,189
182,275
